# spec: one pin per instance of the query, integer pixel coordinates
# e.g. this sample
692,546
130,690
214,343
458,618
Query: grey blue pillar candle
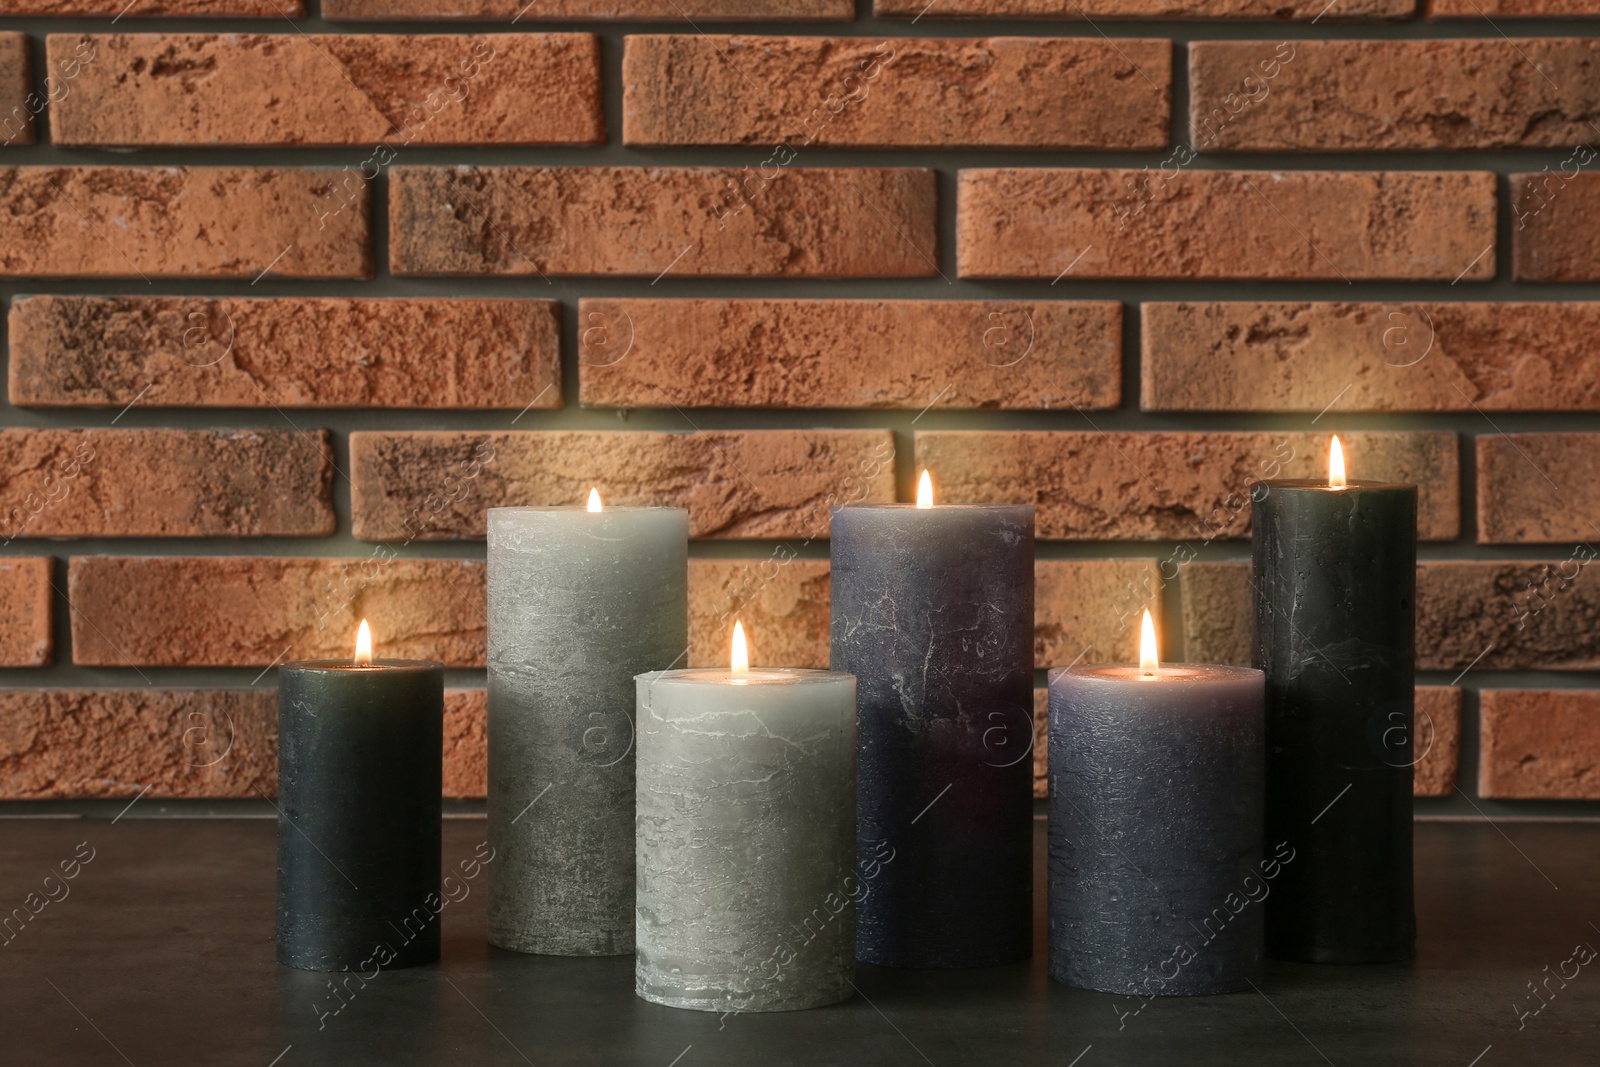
580,602
932,611
360,758
1157,877
1335,584
746,839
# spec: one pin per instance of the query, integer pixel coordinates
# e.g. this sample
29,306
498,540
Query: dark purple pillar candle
360,761
1335,581
1156,872
932,611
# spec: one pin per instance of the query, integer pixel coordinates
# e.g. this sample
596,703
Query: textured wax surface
932,611
579,603
1335,577
746,840
1156,874
360,758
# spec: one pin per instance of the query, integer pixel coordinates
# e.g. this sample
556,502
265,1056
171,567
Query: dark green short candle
1335,583
360,754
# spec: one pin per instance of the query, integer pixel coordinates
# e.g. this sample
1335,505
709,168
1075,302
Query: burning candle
581,599
1335,583
746,837
932,611
360,758
1156,870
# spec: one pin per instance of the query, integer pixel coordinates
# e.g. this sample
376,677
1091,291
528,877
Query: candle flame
1149,657
594,500
741,650
364,645
1336,464
925,491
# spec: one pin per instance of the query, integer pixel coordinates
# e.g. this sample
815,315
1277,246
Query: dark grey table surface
161,952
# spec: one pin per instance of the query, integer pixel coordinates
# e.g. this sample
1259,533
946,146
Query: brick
119,9
650,221
783,603
1219,624
808,353
1511,9
1094,486
1539,744
26,638
1334,96
165,483
1533,488
1526,614
1438,739
1041,744
1019,92
58,744
1082,609
1489,615
735,484
1046,223
1087,611
17,100
1555,237
250,611
175,222
656,10
1073,10
67,743
89,351
1436,356
466,743
1439,728
335,89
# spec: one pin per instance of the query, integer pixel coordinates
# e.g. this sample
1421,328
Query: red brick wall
295,291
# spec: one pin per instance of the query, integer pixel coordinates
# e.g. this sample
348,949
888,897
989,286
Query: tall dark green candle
1335,584
360,754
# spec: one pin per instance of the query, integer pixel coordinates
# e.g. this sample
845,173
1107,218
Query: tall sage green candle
579,603
746,839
